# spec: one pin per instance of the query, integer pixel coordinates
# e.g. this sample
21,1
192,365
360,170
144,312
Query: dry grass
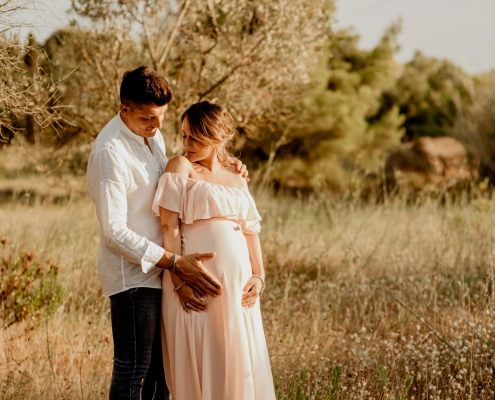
363,301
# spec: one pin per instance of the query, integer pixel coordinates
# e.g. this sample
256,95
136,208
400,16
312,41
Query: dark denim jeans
137,360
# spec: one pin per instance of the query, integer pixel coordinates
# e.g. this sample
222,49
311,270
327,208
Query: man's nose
158,124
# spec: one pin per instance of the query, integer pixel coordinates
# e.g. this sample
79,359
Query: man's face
143,119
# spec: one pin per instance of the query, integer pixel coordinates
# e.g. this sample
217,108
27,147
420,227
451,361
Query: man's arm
107,184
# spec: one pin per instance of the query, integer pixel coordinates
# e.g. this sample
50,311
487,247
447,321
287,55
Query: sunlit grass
363,301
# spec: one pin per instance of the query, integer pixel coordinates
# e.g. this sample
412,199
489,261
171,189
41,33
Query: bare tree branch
177,25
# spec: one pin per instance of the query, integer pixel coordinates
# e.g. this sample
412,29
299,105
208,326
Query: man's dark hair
144,86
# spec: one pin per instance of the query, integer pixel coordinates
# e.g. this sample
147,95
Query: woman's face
195,151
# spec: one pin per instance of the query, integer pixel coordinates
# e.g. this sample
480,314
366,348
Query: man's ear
124,109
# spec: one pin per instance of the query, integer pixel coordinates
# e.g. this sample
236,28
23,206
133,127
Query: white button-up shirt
122,178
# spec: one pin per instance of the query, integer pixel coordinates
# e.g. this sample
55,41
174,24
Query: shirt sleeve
107,184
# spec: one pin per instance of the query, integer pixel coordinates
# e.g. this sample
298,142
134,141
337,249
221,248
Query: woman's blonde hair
211,124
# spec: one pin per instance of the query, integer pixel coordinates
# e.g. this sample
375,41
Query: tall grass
364,301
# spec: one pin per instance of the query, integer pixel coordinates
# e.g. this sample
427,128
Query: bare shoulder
180,165
234,177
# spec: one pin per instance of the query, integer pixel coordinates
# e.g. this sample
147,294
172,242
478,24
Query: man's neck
147,143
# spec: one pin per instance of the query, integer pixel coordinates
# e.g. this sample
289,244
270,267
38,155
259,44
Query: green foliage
475,124
300,123
430,93
334,385
297,390
407,386
28,288
383,376
346,128
298,387
89,66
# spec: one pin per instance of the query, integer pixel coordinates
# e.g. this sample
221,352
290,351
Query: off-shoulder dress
220,354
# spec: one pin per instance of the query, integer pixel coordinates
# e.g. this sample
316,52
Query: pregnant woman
214,347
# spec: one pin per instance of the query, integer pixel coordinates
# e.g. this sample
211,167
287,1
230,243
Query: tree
430,94
254,56
26,91
474,124
348,130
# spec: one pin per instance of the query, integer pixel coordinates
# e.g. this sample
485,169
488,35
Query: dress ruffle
195,200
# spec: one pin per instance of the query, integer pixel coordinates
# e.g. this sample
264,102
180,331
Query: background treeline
312,108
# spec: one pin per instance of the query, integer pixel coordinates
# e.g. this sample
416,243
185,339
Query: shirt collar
124,129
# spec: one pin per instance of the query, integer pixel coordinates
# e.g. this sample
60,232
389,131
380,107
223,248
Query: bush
29,288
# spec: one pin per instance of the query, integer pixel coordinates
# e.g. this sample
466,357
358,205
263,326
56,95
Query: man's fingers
210,279
205,256
198,289
206,274
210,284
207,287
193,272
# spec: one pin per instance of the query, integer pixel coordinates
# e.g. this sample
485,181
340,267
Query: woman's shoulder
235,177
179,165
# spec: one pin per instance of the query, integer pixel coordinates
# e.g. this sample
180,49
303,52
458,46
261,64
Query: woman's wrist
176,280
177,288
263,284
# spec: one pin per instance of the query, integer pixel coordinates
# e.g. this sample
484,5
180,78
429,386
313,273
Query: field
368,300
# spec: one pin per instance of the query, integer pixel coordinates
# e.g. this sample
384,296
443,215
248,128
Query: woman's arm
253,287
172,241
190,267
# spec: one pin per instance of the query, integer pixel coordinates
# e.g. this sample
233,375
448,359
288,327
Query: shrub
29,288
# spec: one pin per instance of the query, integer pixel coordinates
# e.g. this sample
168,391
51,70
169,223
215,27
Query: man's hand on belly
192,271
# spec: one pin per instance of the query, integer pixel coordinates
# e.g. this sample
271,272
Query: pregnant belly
224,237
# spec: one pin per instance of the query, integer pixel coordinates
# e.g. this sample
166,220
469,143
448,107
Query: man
127,159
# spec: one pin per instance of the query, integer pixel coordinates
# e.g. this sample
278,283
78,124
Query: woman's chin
193,157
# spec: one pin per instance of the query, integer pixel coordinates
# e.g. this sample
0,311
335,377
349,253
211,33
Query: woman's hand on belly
251,292
190,300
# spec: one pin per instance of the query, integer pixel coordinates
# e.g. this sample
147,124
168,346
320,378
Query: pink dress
220,354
